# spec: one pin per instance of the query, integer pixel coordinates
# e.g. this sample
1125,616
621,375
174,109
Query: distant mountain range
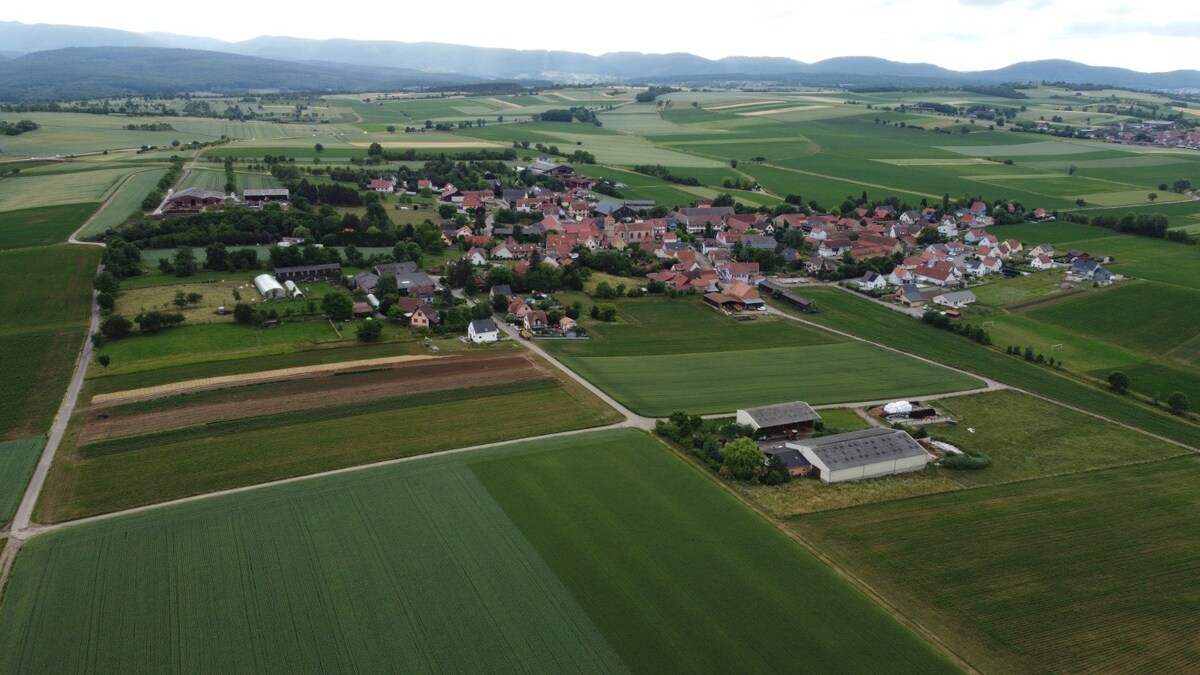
53,62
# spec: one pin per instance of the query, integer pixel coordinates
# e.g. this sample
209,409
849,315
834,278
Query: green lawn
115,475
42,226
17,459
638,563
1093,572
724,381
1146,317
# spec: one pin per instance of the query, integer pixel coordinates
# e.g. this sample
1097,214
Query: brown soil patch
229,381
317,391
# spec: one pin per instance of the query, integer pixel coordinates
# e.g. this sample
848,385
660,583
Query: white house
1042,262
871,281
477,257
483,331
957,300
862,454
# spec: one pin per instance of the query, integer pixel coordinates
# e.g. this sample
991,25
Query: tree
106,283
180,299
743,458
319,148
116,327
607,312
375,150
1178,402
155,321
338,306
246,314
929,235
106,301
1080,203
1152,196
184,262
216,256
1118,381
1071,171
104,360
500,303
369,331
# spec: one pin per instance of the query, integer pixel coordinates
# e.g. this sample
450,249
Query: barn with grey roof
774,418
862,454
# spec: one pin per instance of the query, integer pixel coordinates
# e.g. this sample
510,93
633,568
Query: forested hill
93,72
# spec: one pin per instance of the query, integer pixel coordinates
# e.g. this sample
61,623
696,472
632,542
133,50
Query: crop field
1059,582
417,559
126,202
46,325
843,311
42,226
723,381
105,381
23,192
17,459
131,471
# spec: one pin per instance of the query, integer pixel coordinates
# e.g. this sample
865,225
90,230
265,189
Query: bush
966,462
369,331
116,327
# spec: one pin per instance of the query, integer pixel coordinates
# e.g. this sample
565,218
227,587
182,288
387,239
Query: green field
1093,572
723,381
1141,316
126,202
42,226
667,355
128,472
515,552
17,459
28,191
844,311
42,328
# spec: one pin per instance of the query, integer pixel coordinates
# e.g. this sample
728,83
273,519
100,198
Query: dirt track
229,381
316,391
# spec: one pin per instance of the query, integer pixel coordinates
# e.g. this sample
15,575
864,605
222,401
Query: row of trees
1177,402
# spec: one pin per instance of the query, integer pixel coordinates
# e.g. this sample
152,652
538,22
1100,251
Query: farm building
725,302
774,419
862,454
308,272
293,289
483,330
781,292
794,460
193,200
269,288
262,196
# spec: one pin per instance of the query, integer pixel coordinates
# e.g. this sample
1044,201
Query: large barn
776,419
862,454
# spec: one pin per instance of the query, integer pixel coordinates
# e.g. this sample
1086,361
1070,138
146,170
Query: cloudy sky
959,34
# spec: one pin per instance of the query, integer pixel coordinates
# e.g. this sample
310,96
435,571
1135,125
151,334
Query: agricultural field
125,203
28,191
844,311
473,553
17,459
723,365
1026,438
1058,582
45,324
159,450
42,226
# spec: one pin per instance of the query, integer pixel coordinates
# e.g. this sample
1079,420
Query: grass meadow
1092,572
514,551
24,192
126,202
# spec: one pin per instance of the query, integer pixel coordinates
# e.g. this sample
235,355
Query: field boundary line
34,530
854,580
